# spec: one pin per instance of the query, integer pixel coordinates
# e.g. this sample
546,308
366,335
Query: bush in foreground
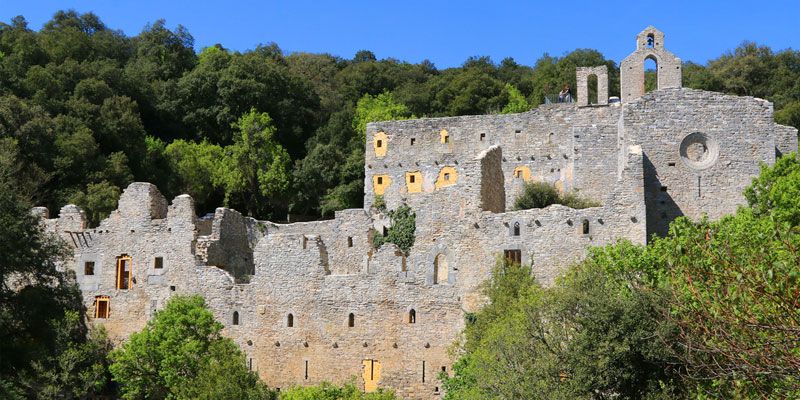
181,354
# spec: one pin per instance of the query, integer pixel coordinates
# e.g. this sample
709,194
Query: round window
699,151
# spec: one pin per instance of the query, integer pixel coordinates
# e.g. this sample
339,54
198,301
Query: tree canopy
181,354
709,311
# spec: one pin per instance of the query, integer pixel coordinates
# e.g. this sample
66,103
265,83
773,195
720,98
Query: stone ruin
313,301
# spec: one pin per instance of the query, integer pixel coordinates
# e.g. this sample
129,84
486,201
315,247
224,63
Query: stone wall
286,292
649,45
701,150
601,75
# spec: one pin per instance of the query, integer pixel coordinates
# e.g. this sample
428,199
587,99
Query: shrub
328,391
401,232
543,194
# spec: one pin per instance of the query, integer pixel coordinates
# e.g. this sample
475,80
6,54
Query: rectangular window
349,241
672,164
514,256
101,307
159,263
446,176
412,178
413,140
380,143
124,272
483,136
663,188
88,268
380,180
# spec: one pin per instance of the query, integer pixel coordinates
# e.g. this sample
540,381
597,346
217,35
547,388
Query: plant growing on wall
379,203
543,194
401,231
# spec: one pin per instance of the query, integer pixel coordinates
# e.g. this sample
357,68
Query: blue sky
449,32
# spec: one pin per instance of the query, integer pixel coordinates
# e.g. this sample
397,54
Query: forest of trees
88,110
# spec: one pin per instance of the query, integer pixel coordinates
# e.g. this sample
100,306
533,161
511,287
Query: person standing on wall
565,96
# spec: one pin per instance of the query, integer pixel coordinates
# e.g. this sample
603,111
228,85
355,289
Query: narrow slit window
516,228
88,268
380,180
349,241
351,320
585,227
159,263
290,321
412,178
412,317
101,307
236,318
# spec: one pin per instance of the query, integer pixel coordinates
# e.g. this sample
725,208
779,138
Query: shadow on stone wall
661,208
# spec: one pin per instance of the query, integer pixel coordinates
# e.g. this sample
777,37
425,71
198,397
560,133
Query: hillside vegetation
88,110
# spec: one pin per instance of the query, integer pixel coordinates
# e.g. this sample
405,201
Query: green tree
256,172
516,101
98,201
776,191
43,336
181,354
327,391
589,336
197,171
382,107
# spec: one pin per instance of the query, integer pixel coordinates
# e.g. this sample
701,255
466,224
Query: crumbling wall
583,74
228,246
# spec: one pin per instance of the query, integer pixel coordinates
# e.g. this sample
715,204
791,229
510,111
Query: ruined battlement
315,301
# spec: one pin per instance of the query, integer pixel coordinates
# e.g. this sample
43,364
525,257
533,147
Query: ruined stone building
314,301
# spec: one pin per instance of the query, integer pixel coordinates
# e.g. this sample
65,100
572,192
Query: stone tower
649,45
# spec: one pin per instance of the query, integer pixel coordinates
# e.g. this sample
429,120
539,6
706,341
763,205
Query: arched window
516,228
650,74
651,40
290,320
351,320
236,318
586,227
412,317
592,87
440,269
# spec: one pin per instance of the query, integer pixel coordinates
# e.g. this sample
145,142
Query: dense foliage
401,231
327,391
46,349
710,311
92,110
543,194
181,354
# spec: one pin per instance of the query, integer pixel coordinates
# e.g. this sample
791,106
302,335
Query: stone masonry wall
314,301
